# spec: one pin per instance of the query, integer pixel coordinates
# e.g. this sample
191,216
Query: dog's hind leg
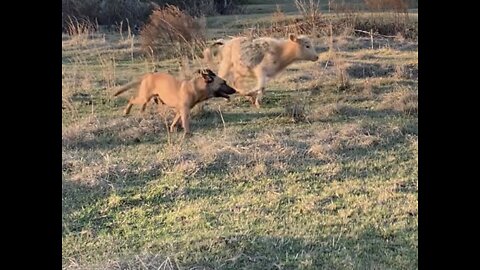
144,106
137,101
157,99
127,109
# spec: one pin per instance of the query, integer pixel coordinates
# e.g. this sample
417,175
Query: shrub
170,31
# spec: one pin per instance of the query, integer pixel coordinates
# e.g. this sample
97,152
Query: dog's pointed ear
206,75
292,37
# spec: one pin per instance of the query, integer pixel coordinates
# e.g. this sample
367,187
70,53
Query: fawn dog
181,95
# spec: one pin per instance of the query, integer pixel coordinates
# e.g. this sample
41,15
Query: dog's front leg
185,115
175,121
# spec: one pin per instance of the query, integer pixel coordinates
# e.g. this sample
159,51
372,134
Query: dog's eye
308,46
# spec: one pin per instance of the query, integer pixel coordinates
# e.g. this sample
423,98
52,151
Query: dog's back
164,85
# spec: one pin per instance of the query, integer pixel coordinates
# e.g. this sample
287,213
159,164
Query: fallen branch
374,34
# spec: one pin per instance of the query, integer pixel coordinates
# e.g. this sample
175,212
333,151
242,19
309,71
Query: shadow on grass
78,196
366,70
90,207
128,132
370,249
348,113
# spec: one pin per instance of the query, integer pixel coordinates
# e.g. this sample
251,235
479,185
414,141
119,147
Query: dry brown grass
344,21
135,262
108,71
365,70
278,17
406,71
296,110
172,33
331,142
80,30
311,22
327,111
367,88
91,131
83,27
319,81
339,63
204,156
264,153
310,10
404,100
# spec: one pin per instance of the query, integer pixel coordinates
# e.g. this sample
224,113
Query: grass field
332,187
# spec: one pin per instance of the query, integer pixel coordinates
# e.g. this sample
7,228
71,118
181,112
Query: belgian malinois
182,96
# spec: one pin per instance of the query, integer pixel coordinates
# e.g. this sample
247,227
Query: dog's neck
198,88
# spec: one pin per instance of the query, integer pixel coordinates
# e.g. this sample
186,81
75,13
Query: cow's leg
259,88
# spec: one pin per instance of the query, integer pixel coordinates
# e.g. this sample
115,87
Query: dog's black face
225,89
217,85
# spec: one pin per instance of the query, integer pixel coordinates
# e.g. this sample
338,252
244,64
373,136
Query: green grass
335,191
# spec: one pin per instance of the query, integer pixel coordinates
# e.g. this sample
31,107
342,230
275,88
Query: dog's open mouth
225,91
222,94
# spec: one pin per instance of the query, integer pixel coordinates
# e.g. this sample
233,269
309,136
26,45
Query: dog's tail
208,55
128,86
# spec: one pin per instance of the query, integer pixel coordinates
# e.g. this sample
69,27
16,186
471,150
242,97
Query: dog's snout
229,90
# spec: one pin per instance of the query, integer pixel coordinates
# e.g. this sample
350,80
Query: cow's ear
292,37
